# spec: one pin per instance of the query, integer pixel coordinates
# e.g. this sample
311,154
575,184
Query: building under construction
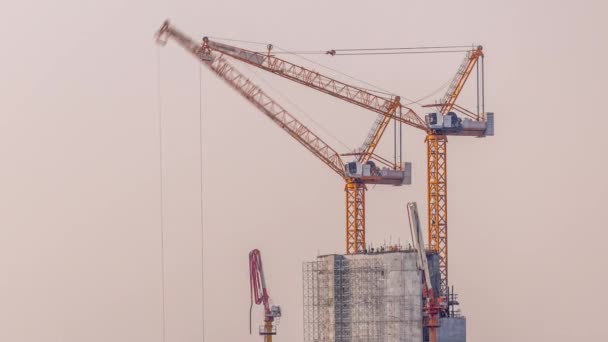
371,297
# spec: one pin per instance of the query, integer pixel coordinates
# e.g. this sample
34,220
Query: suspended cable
162,226
477,74
408,48
430,94
355,53
395,141
400,141
483,87
200,125
348,49
319,52
395,53
403,50
238,40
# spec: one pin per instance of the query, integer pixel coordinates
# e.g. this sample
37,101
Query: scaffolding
362,298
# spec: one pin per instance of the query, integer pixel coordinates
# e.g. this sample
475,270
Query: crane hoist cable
395,53
398,50
239,40
161,193
408,48
162,204
201,146
433,93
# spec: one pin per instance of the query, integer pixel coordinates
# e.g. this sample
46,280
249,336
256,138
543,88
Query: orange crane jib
437,126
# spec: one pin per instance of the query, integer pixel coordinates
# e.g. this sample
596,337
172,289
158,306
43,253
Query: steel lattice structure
437,202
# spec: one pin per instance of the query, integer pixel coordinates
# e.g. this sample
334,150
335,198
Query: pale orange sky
79,210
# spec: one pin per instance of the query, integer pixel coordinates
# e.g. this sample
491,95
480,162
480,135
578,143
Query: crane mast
440,125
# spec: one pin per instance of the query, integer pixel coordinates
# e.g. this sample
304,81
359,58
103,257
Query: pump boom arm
259,293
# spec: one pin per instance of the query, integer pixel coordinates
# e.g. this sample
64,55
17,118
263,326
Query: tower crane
356,174
259,296
433,305
437,125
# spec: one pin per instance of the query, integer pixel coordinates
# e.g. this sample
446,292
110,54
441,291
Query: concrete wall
369,298
404,298
364,298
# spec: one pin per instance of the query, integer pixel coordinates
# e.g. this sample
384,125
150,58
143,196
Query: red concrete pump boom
259,295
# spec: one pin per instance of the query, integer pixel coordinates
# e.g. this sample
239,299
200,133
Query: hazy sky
79,142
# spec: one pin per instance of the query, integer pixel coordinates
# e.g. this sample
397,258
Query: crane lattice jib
313,79
255,95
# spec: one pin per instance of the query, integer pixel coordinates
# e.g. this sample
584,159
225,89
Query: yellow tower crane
437,126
